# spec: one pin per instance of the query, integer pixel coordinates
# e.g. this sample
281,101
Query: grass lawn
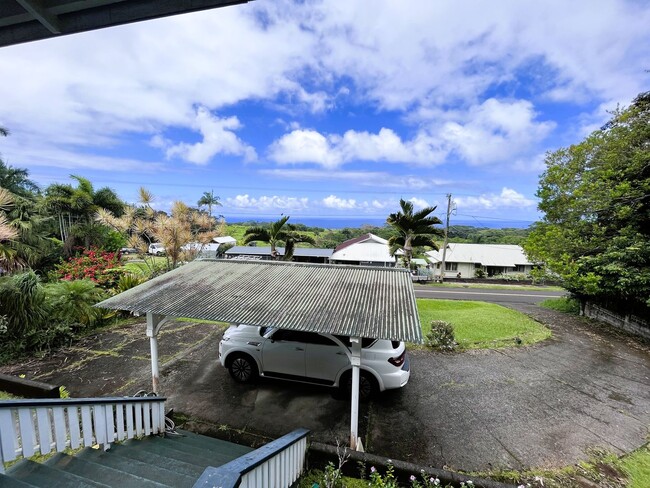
480,325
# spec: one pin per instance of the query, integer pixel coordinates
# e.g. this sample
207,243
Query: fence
30,426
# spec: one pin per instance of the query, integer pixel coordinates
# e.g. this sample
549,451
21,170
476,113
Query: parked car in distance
248,351
156,249
128,250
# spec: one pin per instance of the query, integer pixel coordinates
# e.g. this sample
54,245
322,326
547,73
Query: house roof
225,240
485,254
30,20
366,248
266,251
347,300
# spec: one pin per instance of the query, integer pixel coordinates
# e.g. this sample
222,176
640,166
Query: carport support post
355,359
154,323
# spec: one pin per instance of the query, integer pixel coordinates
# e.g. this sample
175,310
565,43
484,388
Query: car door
324,358
283,354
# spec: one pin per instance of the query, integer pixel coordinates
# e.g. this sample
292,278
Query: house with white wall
365,250
494,259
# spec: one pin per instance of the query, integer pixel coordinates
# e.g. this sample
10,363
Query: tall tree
595,196
414,229
209,199
76,207
276,234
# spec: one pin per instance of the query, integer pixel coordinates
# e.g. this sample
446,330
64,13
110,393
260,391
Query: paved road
486,295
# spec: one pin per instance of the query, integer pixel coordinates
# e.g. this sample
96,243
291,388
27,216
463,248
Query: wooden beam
40,13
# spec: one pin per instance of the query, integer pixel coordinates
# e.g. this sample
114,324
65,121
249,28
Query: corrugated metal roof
486,254
266,251
346,300
367,251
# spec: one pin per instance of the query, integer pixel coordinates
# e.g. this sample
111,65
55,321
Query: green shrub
72,302
479,273
128,281
441,336
564,304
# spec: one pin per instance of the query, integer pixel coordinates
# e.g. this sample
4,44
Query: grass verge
496,286
564,304
480,325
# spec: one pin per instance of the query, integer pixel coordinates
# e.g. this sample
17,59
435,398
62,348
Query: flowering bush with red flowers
92,264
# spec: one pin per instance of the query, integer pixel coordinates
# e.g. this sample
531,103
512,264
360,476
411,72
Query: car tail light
399,360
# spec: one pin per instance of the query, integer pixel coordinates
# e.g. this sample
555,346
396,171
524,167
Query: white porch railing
31,426
277,464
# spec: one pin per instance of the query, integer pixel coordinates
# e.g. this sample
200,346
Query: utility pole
444,246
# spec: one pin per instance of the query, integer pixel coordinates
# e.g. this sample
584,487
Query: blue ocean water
340,223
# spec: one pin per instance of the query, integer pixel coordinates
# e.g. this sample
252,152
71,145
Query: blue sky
327,108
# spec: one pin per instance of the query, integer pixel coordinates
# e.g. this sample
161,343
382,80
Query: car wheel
243,369
367,385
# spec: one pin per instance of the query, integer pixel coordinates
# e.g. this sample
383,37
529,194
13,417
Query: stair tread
198,457
108,475
176,465
162,474
41,475
9,482
203,441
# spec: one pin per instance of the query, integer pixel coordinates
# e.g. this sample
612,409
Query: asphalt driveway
544,405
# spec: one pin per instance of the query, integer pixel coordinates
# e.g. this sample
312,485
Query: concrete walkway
544,405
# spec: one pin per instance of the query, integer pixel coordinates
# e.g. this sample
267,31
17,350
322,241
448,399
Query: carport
352,301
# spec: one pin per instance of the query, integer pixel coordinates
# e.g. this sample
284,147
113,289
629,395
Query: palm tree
277,233
209,199
413,229
76,207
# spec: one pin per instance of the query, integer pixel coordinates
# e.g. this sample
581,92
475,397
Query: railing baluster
110,425
129,421
60,433
87,425
44,429
73,425
155,421
146,415
27,439
139,430
99,416
8,440
119,410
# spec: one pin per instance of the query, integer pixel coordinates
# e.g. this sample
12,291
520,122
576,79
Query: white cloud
267,202
333,201
419,203
374,179
508,198
331,151
218,138
496,131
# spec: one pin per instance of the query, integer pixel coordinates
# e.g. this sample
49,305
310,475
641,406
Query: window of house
451,266
520,268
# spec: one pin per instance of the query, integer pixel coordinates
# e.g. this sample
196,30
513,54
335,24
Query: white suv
156,249
308,357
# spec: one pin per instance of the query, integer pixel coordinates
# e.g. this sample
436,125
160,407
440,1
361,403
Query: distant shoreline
343,222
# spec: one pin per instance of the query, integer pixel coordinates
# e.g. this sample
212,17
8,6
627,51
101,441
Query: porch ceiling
31,20
352,301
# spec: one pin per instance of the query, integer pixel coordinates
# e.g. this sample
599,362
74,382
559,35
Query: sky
327,108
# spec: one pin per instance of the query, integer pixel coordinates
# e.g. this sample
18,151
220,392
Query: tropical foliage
596,199
278,233
413,229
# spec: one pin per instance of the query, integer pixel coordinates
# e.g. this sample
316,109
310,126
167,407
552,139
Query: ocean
340,223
